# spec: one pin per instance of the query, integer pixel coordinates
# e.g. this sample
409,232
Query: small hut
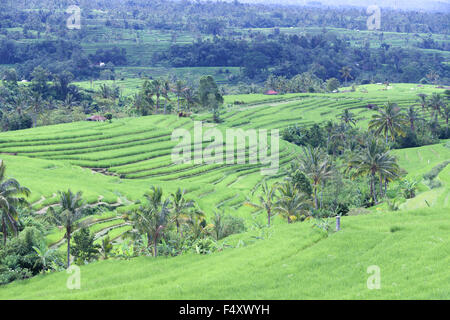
96,118
271,93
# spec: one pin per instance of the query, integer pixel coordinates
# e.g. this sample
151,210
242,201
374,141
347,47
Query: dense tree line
213,17
322,54
42,38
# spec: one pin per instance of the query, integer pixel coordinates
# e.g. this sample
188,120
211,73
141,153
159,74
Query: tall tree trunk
321,195
68,249
4,231
149,241
268,217
381,186
316,205
157,103
374,190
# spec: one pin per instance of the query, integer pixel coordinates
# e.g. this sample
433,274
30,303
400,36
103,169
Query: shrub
232,225
205,246
301,182
84,249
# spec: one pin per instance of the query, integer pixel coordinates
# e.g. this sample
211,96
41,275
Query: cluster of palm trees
375,162
148,100
437,106
288,198
158,214
391,121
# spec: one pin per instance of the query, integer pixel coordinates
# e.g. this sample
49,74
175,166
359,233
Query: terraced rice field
114,164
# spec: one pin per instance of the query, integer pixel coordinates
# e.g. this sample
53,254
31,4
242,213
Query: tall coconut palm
374,161
152,218
154,88
348,118
190,97
435,103
422,100
346,73
389,120
445,113
315,164
291,204
36,105
266,200
413,116
71,208
339,137
165,90
178,89
143,104
12,195
180,207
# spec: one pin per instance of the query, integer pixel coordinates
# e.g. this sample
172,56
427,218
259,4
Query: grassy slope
297,262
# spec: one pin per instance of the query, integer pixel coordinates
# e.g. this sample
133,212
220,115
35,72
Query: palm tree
152,218
218,226
36,105
413,116
11,197
156,89
291,204
445,112
338,137
190,97
372,161
345,73
314,163
71,205
435,103
44,253
389,120
143,104
196,222
180,207
178,89
105,247
348,118
165,90
422,100
266,200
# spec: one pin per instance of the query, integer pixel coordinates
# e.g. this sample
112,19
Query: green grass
296,262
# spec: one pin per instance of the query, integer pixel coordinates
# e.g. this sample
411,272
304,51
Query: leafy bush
84,249
233,225
18,259
205,246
